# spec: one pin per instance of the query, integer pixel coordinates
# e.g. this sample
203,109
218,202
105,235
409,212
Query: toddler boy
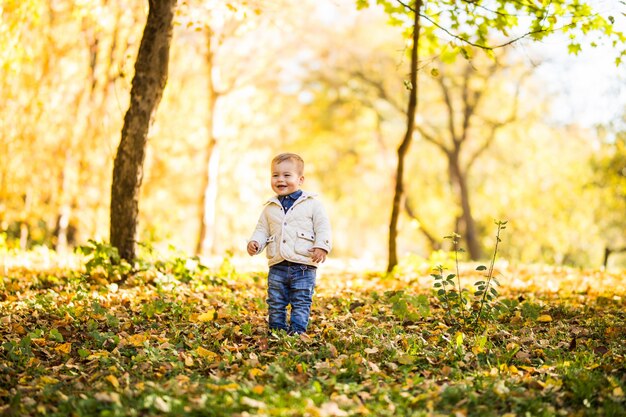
295,231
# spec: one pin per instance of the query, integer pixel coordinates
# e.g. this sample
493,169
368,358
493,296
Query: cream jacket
289,236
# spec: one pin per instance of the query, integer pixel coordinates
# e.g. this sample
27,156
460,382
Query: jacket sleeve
261,232
322,229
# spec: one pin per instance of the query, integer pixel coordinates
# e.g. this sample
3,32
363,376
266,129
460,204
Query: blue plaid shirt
288,200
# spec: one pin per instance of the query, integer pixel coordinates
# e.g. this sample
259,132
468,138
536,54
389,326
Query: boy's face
286,177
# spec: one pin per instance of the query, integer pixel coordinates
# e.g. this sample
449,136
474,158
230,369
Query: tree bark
406,142
148,84
467,226
206,235
608,251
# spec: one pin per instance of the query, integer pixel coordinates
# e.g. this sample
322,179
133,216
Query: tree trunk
467,226
208,200
404,146
608,252
65,211
146,92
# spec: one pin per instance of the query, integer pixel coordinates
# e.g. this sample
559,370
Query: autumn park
313,208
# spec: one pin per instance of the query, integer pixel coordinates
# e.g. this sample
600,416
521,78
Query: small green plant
452,296
102,258
456,300
486,289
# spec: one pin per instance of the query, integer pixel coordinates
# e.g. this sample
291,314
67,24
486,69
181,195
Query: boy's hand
318,255
253,247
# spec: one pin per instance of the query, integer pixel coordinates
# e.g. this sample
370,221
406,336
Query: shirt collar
293,196
304,194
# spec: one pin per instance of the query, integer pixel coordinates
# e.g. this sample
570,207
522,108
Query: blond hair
290,157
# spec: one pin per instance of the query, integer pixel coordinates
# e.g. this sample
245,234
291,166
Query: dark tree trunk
608,252
404,146
146,92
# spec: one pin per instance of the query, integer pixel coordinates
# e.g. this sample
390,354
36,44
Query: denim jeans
290,283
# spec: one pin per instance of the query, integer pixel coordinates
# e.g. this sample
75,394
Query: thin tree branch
408,207
379,87
495,125
430,138
490,48
450,107
407,6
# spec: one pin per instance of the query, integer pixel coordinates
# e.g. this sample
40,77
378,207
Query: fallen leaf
205,353
107,397
600,350
47,380
137,339
206,316
406,360
544,318
252,403
113,380
64,348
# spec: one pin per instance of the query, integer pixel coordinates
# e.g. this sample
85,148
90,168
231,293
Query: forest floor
180,339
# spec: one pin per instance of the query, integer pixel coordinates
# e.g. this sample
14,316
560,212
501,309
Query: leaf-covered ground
177,340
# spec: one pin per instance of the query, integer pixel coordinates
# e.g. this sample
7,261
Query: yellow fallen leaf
544,318
618,392
207,316
406,360
64,348
513,370
137,339
98,354
39,341
47,380
228,387
113,380
188,360
254,372
258,389
205,353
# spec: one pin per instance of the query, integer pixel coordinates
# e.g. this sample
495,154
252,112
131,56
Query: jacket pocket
304,242
271,247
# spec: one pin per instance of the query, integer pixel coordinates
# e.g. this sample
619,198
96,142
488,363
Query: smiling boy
295,231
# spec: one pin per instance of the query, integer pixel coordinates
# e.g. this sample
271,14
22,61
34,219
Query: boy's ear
301,179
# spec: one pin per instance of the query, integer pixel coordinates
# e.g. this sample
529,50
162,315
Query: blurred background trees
249,80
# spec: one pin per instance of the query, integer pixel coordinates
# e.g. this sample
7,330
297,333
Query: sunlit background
318,77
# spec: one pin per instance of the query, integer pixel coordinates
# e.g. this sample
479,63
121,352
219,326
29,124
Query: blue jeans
290,283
